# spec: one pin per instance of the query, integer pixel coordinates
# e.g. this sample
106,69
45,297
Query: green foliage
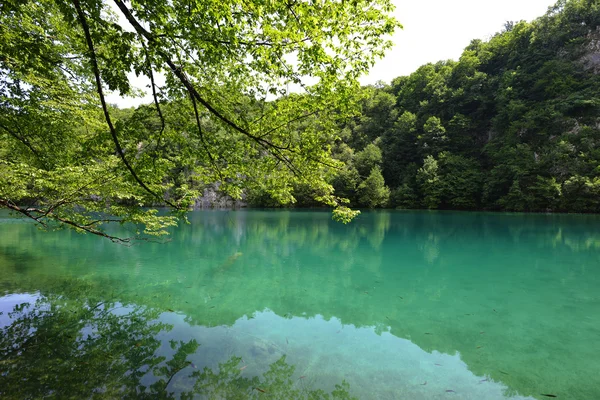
581,194
224,117
372,192
546,193
344,214
428,180
404,197
433,138
460,181
367,159
511,125
399,147
346,182
374,116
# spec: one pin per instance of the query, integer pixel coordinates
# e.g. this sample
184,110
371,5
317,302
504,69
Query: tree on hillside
223,114
367,159
399,148
434,138
376,111
429,183
372,192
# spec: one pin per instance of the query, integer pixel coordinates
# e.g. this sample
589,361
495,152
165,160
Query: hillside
513,125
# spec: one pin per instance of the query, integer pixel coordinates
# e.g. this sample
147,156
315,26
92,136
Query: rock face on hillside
211,198
591,58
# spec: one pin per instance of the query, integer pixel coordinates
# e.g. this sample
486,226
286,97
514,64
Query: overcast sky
433,30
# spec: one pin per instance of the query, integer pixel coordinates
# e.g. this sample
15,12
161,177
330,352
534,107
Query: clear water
253,304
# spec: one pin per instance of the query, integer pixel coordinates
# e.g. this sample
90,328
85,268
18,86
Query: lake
290,304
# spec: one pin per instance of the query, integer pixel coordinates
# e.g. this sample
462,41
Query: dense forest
513,125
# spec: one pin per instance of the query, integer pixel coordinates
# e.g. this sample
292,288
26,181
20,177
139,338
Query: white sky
433,30
440,29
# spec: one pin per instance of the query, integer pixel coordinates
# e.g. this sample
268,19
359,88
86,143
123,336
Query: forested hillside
514,125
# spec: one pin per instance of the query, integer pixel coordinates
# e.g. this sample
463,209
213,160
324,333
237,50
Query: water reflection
508,298
57,345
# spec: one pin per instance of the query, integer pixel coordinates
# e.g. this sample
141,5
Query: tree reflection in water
61,347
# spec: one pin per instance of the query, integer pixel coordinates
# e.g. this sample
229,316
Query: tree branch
204,144
301,117
113,132
23,140
31,211
179,73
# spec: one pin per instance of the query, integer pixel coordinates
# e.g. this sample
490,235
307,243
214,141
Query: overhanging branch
39,216
113,132
180,74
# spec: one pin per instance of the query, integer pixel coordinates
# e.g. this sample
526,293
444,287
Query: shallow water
282,304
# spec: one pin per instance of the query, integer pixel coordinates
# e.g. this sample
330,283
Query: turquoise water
289,304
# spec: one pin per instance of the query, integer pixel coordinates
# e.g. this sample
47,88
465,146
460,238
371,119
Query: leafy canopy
252,96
